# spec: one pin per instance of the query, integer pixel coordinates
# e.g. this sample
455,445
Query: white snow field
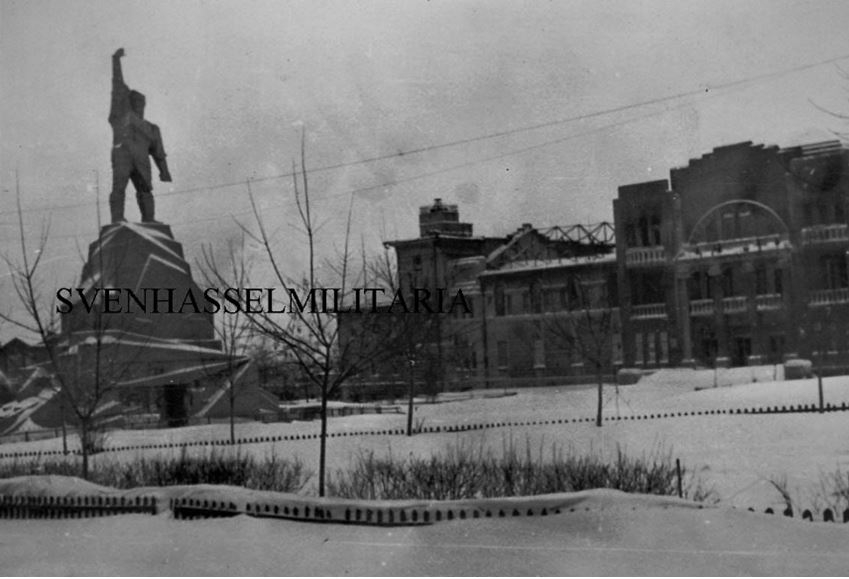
736,454
600,533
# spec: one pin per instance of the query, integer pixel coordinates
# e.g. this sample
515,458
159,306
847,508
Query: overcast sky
231,83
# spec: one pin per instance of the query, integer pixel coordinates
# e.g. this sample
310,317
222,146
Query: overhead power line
484,137
455,167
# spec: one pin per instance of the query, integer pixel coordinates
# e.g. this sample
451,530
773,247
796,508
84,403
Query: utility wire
429,174
487,136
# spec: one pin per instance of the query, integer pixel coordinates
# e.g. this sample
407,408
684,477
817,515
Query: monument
161,356
134,140
134,365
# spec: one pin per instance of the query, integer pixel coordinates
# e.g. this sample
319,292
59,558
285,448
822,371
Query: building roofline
415,240
550,264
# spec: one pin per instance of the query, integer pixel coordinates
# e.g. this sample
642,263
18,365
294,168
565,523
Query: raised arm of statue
120,91
117,75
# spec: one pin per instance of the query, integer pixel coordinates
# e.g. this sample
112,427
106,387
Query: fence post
678,473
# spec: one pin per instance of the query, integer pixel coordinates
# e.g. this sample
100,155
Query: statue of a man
133,140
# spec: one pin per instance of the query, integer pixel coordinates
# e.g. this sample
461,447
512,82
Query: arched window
739,219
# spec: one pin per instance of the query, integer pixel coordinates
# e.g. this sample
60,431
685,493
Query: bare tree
586,328
232,329
83,367
409,339
275,369
311,333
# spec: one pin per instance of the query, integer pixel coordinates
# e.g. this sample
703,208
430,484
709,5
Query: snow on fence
827,516
784,409
354,514
388,516
49,507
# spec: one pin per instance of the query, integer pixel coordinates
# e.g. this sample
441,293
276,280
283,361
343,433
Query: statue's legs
122,167
145,199
144,196
116,198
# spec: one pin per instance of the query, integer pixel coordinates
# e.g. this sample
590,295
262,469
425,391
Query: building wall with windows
740,257
526,292
552,321
751,261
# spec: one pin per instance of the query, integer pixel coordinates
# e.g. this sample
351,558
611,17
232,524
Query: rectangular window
727,282
760,281
652,348
694,285
664,348
616,348
539,354
655,230
612,290
574,299
778,281
536,299
550,299
638,348
503,359
647,288
500,301
835,272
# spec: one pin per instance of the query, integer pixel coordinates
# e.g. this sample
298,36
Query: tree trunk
232,411
64,428
322,441
600,388
410,404
84,445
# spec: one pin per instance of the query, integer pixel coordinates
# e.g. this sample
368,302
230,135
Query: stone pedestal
145,259
145,344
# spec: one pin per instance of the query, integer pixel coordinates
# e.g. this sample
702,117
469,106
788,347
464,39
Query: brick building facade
739,258
528,292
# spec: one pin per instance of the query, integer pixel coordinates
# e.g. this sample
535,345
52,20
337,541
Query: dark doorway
742,351
776,349
708,347
175,411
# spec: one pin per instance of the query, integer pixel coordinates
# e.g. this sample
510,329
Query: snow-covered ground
609,533
736,454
